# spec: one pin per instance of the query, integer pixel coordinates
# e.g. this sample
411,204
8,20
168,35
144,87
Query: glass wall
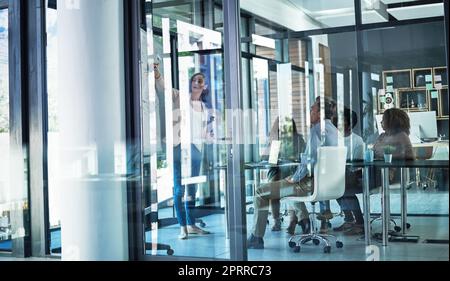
286,66
416,65
53,129
14,172
183,131
5,191
314,74
282,96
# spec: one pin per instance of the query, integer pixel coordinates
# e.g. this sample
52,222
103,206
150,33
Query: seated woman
395,124
292,144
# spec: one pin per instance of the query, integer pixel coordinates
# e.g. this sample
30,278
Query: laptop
274,152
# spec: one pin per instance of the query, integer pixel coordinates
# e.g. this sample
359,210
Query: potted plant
388,150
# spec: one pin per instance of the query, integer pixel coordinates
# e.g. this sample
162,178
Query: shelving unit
415,89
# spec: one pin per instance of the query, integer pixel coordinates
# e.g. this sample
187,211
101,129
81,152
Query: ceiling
326,13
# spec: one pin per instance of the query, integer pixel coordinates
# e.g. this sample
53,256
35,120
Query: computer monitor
425,122
423,125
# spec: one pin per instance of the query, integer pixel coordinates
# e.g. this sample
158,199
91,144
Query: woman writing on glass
198,120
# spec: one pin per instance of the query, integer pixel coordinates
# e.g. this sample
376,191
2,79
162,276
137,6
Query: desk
385,189
257,166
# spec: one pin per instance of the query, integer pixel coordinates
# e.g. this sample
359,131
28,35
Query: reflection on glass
302,15
377,11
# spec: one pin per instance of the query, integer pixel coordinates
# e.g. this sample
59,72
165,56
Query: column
92,130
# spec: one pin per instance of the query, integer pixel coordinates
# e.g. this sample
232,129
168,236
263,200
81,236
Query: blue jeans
324,206
185,211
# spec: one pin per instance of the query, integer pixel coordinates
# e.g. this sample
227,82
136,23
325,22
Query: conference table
368,168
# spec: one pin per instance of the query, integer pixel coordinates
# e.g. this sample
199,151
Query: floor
215,245
433,223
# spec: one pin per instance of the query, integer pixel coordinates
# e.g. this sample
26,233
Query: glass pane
282,94
6,201
374,11
53,131
403,75
183,132
14,204
290,125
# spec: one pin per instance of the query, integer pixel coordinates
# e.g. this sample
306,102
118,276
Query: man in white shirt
353,218
299,184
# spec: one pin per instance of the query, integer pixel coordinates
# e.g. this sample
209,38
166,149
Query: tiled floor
276,248
216,245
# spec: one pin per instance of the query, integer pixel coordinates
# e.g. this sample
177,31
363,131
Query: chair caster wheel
316,242
339,244
297,249
327,249
251,210
292,244
170,252
408,225
397,228
202,224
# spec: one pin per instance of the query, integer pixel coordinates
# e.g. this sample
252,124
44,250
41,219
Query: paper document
274,151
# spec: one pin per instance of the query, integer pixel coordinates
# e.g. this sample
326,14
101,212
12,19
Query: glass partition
405,72
14,173
282,97
183,132
5,191
53,171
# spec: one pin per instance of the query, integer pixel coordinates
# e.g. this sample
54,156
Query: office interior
86,136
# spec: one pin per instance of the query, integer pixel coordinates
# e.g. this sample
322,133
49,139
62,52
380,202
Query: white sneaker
183,233
193,229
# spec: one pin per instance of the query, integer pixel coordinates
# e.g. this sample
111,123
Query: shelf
398,79
440,73
413,99
422,77
443,103
416,90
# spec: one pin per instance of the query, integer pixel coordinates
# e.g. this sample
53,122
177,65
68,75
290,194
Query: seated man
353,217
300,184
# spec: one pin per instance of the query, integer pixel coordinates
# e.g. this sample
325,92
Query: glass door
183,133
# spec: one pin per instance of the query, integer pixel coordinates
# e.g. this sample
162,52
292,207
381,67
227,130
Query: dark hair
395,121
329,105
353,120
204,97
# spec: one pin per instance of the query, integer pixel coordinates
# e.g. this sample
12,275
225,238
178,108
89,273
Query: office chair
329,183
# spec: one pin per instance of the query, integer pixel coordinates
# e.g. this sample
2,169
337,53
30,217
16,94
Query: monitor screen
423,125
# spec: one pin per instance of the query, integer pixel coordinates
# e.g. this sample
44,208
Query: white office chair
329,183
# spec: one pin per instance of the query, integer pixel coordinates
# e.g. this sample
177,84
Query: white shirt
355,147
315,139
199,118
